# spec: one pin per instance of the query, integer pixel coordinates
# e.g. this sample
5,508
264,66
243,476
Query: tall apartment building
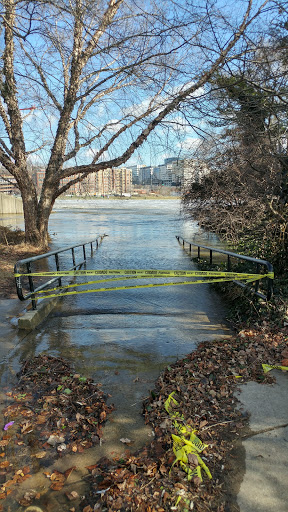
102,183
171,172
117,181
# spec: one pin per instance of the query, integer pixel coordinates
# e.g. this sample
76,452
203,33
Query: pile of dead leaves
205,382
56,408
52,411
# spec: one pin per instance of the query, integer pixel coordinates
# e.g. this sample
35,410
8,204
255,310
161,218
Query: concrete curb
34,317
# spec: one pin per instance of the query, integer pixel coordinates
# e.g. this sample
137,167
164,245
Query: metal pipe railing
230,255
28,261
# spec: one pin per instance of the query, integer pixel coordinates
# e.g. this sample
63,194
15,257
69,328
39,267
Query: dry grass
12,248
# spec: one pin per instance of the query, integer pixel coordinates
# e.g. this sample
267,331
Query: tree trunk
36,233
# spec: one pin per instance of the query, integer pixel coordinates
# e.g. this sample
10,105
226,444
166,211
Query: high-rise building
194,169
117,181
136,173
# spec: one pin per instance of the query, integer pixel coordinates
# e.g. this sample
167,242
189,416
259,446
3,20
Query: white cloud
189,144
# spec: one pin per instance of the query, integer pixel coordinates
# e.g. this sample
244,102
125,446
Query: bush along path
192,410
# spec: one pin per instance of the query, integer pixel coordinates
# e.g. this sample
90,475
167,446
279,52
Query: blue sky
175,137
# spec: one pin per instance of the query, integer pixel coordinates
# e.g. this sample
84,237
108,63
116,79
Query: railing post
84,252
211,257
198,252
73,258
269,288
58,268
31,286
91,246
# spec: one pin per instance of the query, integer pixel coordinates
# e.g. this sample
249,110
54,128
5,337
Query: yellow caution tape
268,367
125,274
182,445
114,288
168,406
147,273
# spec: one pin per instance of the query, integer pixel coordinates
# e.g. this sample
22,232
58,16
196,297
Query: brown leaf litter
56,411
52,411
204,382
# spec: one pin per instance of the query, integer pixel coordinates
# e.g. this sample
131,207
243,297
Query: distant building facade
194,170
8,184
119,181
116,181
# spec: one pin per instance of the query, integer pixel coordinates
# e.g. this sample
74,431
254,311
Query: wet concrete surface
264,485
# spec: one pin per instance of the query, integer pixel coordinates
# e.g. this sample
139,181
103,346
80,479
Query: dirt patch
12,248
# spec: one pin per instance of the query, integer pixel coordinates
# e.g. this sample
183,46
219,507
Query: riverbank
121,198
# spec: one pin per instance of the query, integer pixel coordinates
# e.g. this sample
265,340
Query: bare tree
98,78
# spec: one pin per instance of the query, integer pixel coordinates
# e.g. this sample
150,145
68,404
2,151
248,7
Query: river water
124,339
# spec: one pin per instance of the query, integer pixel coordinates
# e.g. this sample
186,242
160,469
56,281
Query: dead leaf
68,472
56,486
193,459
40,455
28,498
41,418
103,416
88,509
73,495
26,427
57,476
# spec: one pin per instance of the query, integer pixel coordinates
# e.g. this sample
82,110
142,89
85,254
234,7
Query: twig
216,424
143,486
